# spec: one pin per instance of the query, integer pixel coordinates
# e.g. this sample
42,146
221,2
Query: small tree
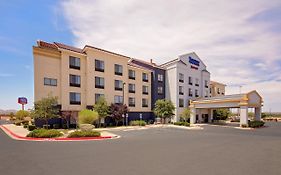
221,114
46,108
102,108
186,114
164,109
87,117
12,116
21,114
118,111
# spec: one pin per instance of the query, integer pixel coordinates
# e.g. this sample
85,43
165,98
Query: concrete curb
17,137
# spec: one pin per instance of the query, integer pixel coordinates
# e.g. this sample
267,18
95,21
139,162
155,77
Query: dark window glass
190,80
50,82
132,88
196,93
99,82
132,74
132,102
145,90
160,77
118,99
118,69
74,80
181,90
160,90
99,65
144,102
181,77
74,62
206,84
190,92
181,102
145,77
75,98
118,85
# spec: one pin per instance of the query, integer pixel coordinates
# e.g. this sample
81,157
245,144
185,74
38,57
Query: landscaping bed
182,123
77,134
44,133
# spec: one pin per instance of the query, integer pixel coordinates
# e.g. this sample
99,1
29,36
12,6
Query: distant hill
7,111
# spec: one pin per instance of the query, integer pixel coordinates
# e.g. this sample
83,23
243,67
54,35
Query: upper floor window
132,74
99,65
118,69
75,98
160,77
118,99
196,93
144,102
206,84
145,77
118,85
145,90
74,80
98,96
132,102
218,90
190,80
181,77
206,93
99,82
160,90
181,90
181,102
190,92
74,62
50,82
196,82
132,88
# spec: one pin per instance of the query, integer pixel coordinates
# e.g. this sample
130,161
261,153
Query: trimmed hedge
56,126
44,133
138,123
256,124
182,123
31,127
77,134
46,126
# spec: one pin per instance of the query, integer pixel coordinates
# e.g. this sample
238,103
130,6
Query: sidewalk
19,133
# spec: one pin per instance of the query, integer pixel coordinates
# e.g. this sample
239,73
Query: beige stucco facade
52,63
217,89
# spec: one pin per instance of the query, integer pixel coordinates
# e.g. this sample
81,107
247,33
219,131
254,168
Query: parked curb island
17,137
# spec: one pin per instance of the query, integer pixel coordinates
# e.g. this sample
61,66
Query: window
181,102
74,62
118,69
190,92
144,102
132,88
206,93
218,90
74,80
181,77
222,93
196,93
75,98
118,99
160,90
206,84
132,102
145,77
99,82
50,82
160,77
97,96
196,82
132,74
118,85
190,80
99,65
145,90
181,90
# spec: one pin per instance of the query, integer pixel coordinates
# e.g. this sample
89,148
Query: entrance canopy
243,101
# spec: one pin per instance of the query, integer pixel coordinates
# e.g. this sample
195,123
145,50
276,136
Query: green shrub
18,122
31,127
76,134
138,123
64,126
44,133
25,122
244,125
21,114
87,116
182,123
46,126
256,124
56,126
25,126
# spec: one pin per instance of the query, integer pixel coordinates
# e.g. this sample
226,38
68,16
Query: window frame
116,72
74,84
98,86
134,74
50,82
75,102
73,59
98,62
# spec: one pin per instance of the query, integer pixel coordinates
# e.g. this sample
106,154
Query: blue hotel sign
193,61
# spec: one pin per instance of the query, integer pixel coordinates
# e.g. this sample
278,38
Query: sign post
22,101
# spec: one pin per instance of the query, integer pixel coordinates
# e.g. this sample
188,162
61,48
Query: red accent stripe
53,139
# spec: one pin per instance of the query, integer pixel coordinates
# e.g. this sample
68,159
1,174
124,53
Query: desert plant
44,133
164,109
21,114
76,134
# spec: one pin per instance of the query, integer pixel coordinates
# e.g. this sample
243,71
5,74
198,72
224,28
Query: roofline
145,62
215,82
88,46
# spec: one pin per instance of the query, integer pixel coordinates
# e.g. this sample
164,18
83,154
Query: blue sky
238,40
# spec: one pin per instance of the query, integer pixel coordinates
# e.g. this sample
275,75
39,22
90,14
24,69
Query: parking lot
213,150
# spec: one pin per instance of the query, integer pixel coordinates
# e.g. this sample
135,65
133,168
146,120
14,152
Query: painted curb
17,137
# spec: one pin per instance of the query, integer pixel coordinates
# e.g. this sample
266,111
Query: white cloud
236,48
